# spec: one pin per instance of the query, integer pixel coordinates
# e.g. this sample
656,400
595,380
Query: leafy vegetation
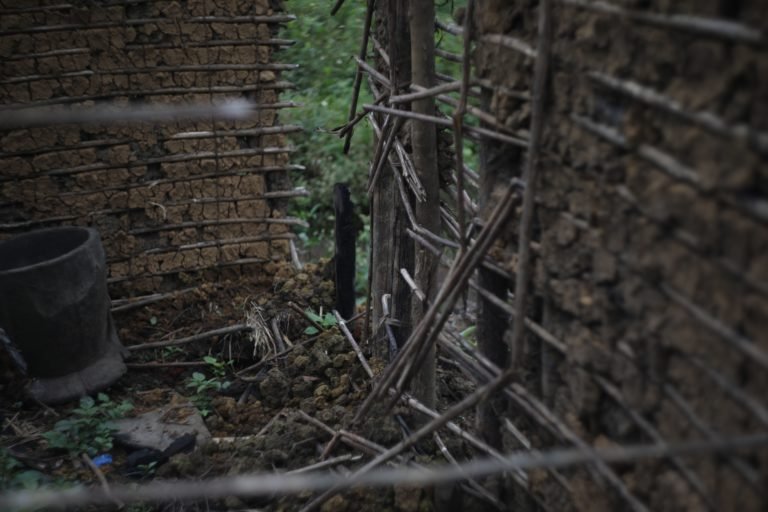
325,321
88,430
203,386
14,476
324,48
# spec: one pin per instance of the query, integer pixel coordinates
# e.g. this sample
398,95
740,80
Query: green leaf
311,330
29,479
314,316
329,320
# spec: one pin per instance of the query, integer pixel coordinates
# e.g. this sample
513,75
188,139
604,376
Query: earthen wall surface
650,237
167,198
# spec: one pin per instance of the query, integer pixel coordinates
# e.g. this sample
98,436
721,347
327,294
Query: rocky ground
268,405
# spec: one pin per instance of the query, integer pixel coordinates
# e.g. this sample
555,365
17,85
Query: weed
202,386
170,352
87,429
14,476
469,335
324,321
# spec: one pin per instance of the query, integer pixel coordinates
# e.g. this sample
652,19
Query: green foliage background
324,48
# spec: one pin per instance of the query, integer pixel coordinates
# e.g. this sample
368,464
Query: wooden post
424,141
344,259
391,247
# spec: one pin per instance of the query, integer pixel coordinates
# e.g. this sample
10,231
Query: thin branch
190,339
530,176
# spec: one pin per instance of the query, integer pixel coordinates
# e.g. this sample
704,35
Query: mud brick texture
172,201
650,240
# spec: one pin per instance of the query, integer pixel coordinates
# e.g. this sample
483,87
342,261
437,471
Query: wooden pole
424,141
344,260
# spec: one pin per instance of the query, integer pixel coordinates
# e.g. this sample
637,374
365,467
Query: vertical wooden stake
424,141
345,251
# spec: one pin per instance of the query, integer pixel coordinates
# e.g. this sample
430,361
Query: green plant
202,386
218,368
170,352
14,476
88,429
469,335
324,48
324,321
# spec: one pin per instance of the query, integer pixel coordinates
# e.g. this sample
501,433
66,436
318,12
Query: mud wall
169,199
650,237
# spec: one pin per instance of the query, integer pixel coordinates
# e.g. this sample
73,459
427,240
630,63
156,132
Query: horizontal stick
171,364
189,339
478,132
187,270
246,132
42,8
73,27
70,147
10,226
292,221
169,159
211,44
707,120
50,53
668,164
510,42
214,243
719,28
136,302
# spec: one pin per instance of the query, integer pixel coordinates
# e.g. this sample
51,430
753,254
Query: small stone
339,361
336,503
300,362
322,391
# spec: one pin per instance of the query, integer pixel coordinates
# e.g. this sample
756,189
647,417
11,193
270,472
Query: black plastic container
55,308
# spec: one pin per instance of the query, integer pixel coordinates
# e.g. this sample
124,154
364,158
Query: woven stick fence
593,398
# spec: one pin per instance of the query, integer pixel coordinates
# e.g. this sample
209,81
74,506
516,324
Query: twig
541,73
102,480
269,424
295,255
458,126
198,337
412,284
278,336
472,482
326,463
303,313
440,121
725,29
261,363
343,327
358,73
348,335
336,7
172,364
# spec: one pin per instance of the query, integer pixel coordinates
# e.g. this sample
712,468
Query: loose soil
258,423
